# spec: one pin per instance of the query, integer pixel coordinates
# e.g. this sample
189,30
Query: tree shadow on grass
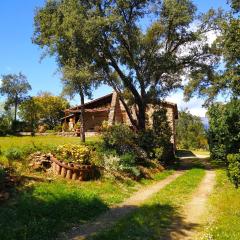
157,221
38,214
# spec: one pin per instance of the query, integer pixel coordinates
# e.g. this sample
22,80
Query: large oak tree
142,47
225,80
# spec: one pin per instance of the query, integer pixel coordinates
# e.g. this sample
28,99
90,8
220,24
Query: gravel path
108,219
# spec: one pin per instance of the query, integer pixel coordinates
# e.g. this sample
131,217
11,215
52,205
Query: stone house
109,108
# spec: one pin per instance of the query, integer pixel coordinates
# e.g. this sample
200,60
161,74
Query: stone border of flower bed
74,171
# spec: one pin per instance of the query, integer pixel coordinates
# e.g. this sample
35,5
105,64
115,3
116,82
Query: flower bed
74,171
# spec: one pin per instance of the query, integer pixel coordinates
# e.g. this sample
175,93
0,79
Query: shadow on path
160,217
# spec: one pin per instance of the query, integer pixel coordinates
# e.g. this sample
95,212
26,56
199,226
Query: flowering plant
74,153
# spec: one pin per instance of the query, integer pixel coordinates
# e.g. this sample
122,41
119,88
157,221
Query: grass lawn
201,152
152,219
6,142
39,142
223,219
40,209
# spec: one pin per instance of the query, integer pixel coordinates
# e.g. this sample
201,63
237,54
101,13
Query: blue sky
17,53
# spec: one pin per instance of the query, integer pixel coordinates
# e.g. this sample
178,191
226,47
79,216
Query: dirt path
108,219
191,217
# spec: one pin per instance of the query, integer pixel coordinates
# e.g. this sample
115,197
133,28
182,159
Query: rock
40,161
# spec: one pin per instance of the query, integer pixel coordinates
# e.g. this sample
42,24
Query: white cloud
194,105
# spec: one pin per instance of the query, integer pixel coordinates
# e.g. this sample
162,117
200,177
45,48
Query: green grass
38,143
40,210
6,142
151,220
201,152
223,219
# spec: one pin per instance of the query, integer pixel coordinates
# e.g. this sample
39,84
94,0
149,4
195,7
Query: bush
5,125
125,163
74,153
224,129
128,164
57,128
120,138
111,162
157,140
234,168
14,154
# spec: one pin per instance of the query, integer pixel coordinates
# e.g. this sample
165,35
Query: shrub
75,153
147,141
157,140
234,168
119,137
57,128
5,125
111,162
128,164
14,154
224,129
125,163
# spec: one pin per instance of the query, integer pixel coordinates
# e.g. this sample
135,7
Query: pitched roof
107,99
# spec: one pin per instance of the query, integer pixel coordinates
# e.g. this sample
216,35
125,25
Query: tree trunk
15,111
82,134
141,115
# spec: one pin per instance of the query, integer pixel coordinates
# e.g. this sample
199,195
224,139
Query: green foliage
226,48
5,125
234,168
143,144
103,40
235,4
156,141
14,153
29,111
190,132
51,108
74,153
119,137
45,107
57,128
14,87
128,164
224,129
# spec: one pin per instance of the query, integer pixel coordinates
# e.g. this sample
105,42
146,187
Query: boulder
40,161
